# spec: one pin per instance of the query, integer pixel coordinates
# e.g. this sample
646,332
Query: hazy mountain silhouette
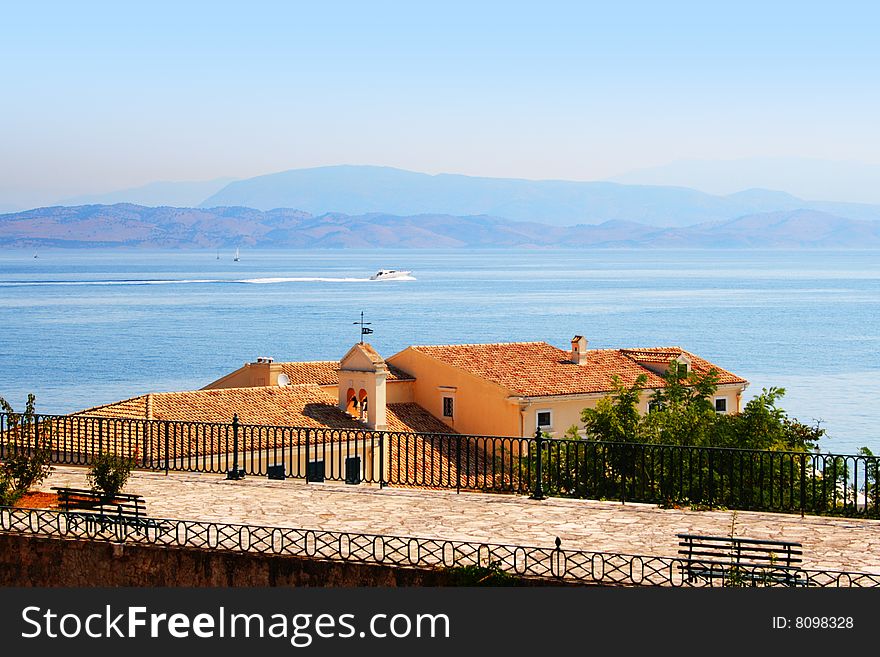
167,227
365,189
808,178
179,194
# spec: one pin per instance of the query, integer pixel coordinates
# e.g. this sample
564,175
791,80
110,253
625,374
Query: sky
98,96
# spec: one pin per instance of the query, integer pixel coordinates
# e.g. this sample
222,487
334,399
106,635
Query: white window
545,419
721,404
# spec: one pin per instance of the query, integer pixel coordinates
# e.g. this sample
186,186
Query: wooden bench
105,510
739,561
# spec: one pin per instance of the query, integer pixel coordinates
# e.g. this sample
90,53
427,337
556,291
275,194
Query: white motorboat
388,274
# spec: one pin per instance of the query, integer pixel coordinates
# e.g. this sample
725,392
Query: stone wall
41,561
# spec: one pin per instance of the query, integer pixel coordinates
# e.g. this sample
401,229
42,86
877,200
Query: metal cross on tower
364,325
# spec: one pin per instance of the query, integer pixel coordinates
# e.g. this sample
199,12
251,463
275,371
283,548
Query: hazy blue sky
102,95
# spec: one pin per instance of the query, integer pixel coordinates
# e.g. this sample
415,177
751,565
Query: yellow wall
565,412
396,392
480,407
484,408
250,375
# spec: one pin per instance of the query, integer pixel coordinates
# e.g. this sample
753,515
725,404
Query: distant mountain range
181,194
366,189
169,227
809,178
357,190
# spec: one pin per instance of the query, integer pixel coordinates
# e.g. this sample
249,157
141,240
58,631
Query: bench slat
727,539
755,560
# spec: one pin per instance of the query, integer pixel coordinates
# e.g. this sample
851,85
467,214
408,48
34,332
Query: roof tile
533,369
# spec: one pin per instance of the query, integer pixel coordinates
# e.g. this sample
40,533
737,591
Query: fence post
167,463
381,460
538,493
804,484
234,474
458,464
308,432
711,500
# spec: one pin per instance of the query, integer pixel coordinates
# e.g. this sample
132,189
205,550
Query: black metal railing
761,480
408,551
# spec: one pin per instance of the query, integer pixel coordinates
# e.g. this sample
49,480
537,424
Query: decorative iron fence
407,551
764,480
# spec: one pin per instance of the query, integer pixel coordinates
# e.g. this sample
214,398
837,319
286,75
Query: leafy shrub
23,467
8,495
473,575
20,471
109,473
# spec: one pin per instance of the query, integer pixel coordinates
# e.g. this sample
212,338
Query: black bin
353,470
276,472
315,471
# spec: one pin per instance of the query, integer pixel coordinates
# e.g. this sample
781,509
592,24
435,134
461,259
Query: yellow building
511,389
501,389
318,414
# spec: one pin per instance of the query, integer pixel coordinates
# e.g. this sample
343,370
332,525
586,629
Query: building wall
566,412
483,408
251,375
479,407
396,392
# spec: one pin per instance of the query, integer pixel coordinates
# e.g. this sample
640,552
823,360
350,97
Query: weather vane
364,325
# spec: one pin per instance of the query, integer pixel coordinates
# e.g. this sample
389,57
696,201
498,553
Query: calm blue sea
85,327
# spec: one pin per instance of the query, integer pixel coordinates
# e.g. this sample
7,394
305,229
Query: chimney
579,350
262,370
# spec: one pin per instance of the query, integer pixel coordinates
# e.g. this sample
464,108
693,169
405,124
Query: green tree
762,424
27,460
616,417
682,411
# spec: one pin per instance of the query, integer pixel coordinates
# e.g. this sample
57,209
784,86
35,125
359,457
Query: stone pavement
828,543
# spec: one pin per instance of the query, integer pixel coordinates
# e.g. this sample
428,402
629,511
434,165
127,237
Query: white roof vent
265,359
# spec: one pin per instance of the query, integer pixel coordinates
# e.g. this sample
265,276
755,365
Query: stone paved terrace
828,543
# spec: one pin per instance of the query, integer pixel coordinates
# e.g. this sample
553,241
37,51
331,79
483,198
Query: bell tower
362,377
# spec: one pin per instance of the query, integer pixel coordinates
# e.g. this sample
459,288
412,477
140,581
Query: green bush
28,466
109,473
20,471
8,494
473,575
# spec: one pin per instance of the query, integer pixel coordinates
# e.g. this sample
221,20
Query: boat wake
191,281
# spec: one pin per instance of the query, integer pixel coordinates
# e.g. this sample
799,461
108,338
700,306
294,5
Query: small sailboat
218,255
236,258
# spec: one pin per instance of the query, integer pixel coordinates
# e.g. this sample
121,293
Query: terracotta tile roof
533,369
326,372
408,416
290,406
655,355
425,461
294,406
135,407
318,372
370,352
308,404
